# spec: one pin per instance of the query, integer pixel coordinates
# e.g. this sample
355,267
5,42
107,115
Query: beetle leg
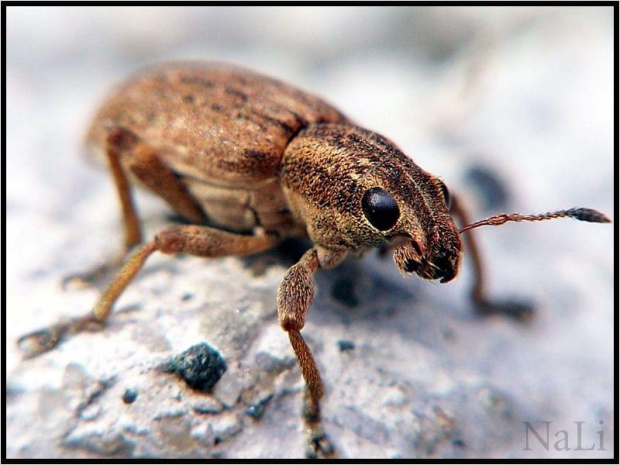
116,144
160,179
195,240
294,298
484,305
125,151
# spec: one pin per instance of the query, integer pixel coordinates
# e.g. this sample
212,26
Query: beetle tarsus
319,445
41,341
45,339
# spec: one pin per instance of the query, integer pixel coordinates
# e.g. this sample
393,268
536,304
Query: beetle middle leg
294,299
194,240
125,152
518,310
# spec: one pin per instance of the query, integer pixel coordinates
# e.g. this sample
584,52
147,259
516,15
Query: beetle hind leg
126,152
45,339
195,240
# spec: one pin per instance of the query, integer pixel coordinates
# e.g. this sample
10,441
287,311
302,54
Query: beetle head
413,220
353,189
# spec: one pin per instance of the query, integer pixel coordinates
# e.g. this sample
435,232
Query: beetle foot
517,310
319,445
43,340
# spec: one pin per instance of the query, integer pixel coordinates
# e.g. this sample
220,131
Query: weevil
248,160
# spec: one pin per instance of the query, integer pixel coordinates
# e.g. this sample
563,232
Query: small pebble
130,395
256,411
201,366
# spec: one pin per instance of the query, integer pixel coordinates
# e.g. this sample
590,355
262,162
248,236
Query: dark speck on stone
187,296
201,366
345,345
458,442
130,396
256,411
489,187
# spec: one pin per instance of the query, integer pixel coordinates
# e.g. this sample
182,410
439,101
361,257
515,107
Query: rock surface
527,94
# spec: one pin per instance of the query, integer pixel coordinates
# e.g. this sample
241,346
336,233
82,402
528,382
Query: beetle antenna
581,214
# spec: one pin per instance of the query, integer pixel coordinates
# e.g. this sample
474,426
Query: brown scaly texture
222,131
326,170
212,121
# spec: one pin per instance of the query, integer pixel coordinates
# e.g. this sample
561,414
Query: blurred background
511,106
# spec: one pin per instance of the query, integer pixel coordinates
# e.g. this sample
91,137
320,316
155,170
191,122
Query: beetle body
256,152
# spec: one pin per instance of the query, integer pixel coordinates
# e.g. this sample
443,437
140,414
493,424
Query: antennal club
581,214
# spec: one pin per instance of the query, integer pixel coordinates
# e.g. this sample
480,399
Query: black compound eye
380,208
445,193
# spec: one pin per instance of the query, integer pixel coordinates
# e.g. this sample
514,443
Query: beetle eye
445,193
380,208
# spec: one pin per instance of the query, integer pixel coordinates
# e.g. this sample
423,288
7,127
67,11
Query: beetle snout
446,269
412,266
410,257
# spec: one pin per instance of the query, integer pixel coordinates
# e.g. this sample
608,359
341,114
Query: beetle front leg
195,240
518,310
294,299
